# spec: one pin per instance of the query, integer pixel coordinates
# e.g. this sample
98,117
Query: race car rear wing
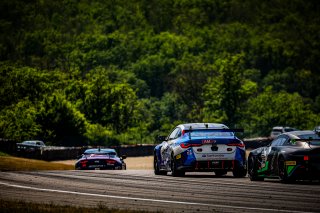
210,129
164,138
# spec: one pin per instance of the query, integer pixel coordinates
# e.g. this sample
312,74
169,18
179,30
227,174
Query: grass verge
9,206
9,163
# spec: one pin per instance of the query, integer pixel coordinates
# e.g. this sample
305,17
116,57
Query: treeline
78,72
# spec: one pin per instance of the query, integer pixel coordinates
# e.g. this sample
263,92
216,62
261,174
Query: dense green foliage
77,72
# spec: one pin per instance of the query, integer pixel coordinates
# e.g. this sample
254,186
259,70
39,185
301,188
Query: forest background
108,72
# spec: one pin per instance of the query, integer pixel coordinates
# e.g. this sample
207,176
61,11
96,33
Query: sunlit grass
3,154
9,206
9,163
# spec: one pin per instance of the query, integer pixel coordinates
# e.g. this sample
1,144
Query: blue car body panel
201,148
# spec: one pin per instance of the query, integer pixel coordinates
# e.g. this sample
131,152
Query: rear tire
252,170
239,171
157,170
174,171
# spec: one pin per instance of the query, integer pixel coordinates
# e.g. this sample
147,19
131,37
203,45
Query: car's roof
203,126
300,133
95,151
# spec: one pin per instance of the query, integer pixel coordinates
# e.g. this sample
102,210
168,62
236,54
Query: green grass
3,154
9,206
9,163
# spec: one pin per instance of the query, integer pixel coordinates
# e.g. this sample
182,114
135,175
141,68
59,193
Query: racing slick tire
252,170
157,171
220,173
238,171
174,171
282,172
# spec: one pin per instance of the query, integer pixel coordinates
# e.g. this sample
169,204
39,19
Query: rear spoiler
217,130
164,138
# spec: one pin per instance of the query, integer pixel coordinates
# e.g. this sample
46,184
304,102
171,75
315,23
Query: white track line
146,199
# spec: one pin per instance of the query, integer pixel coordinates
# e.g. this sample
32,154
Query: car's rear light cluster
187,145
236,144
109,161
306,158
83,163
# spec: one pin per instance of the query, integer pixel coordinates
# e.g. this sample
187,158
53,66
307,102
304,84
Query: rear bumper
305,171
208,166
99,167
187,161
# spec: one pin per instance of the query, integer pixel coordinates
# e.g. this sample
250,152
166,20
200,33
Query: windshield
211,133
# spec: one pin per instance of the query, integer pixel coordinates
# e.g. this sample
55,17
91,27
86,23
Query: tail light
236,144
187,145
83,163
109,161
306,158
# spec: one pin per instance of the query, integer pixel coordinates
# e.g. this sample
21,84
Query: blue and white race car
197,147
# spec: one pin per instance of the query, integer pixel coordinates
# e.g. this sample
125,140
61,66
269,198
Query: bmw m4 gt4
291,156
94,159
197,147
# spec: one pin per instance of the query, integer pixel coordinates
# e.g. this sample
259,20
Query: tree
62,124
227,91
271,108
19,121
109,104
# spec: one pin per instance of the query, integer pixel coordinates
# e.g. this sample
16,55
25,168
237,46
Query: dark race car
198,147
291,156
96,159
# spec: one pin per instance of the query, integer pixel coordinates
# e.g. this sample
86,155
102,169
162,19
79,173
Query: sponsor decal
178,156
95,166
208,141
290,163
214,156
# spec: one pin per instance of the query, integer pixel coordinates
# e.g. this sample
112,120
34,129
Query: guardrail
50,153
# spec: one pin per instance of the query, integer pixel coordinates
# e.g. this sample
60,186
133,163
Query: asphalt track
142,190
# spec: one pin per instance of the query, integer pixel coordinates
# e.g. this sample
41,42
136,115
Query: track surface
142,190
